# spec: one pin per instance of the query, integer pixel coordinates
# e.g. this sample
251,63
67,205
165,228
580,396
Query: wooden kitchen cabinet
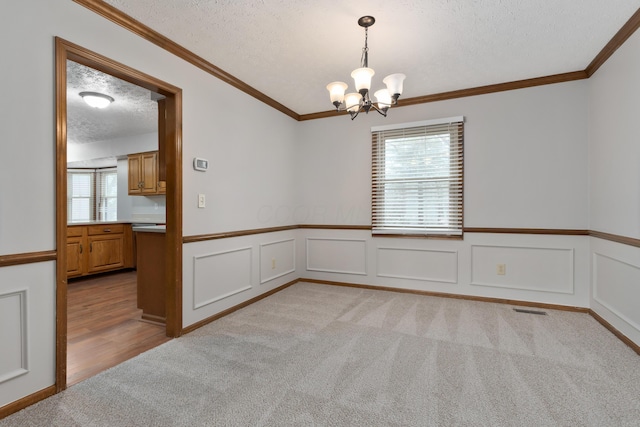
75,264
151,275
143,174
96,248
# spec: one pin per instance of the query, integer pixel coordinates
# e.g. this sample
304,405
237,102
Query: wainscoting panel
616,285
220,275
277,259
347,256
418,264
526,268
14,358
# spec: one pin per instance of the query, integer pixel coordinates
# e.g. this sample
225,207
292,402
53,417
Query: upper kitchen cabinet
144,170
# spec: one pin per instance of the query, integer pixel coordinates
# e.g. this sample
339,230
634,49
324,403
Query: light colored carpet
318,355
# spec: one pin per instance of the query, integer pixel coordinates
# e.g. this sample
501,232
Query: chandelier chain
364,60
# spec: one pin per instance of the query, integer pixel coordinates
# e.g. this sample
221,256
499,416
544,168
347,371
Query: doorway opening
169,161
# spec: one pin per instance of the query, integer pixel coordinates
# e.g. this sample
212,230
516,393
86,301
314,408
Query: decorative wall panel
14,357
418,264
525,268
220,275
277,259
348,256
616,285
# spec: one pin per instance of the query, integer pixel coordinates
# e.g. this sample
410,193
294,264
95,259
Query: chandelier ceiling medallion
359,101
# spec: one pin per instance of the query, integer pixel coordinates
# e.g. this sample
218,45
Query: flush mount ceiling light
96,100
359,101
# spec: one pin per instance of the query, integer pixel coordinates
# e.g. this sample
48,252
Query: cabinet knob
80,247
107,230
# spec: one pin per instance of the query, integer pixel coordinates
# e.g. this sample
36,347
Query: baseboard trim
20,404
453,296
622,337
230,310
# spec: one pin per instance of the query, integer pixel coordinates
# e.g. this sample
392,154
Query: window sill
420,236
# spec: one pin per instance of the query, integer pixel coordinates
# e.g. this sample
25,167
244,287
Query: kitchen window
417,178
92,194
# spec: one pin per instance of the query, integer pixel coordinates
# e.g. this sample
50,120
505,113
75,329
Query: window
417,178
92,194
107,194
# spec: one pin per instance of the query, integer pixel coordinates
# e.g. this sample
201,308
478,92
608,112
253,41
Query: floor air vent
521,310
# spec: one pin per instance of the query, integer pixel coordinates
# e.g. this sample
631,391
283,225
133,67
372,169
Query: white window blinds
107,194
80,195
92,194
417,177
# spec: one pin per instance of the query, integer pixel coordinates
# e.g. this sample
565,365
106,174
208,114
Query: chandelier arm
383,112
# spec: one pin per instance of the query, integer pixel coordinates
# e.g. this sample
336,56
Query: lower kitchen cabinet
97,248
75,264
105,253
151,275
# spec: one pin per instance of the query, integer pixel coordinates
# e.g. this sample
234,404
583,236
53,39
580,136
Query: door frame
65,50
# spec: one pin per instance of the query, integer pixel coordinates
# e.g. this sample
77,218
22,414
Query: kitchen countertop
150,228
124,221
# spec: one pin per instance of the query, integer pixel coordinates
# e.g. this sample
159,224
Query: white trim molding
219,277
19,323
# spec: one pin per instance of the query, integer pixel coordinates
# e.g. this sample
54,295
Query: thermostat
200,164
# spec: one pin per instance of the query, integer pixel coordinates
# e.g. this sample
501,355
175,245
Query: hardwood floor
104,326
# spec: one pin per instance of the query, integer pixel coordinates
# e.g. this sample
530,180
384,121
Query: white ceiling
133,112
289,50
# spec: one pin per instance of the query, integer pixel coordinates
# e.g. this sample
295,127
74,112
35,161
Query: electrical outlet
273,263
201,201
501,269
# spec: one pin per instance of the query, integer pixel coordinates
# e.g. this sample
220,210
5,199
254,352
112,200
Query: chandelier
359,101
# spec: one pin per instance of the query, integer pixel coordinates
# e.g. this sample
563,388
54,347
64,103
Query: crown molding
111,13
118,17
618,40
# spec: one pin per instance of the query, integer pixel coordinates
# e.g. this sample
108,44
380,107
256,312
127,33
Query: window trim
377,206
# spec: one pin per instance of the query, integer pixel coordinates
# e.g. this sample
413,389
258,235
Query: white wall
525,167
525,159
113,147
614,172
224,273
251,166
544,269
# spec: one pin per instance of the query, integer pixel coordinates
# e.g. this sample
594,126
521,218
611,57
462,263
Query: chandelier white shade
360,100
96,100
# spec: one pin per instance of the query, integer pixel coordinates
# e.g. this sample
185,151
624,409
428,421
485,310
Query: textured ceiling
133,112
289,50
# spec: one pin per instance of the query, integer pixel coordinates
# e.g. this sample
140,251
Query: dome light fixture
359,101
96,100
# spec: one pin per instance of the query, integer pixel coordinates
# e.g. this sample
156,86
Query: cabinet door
105,252
149,173
75,255
135,178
